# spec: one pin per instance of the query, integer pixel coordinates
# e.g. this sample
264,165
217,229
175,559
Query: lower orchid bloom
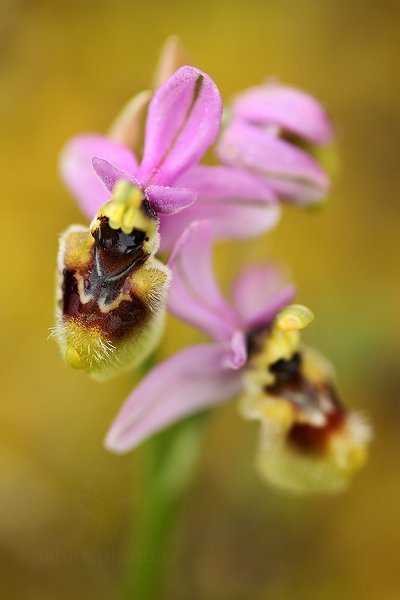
272,130
308,442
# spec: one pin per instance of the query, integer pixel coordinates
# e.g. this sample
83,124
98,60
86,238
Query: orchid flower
308,441
271,130
111,288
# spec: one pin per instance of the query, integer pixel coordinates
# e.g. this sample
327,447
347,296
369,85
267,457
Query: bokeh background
68,67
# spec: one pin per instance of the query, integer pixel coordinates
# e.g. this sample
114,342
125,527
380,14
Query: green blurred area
68,67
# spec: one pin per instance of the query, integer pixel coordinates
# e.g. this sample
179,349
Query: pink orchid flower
271,131
183,121
308,442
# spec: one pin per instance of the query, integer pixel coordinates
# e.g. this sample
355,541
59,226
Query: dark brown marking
311,439
287,370
291,384
115,324
116,251
115,256
147,210
255,340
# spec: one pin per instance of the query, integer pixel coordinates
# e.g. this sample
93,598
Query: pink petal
194,295
235,218
170,200
291,109
77,170
183,121
109,174
226,183
240,204
259,292
298,192
262,152
188,382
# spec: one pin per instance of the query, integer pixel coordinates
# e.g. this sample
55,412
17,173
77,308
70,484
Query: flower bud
278,131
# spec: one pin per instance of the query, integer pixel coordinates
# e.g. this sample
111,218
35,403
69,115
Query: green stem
170,459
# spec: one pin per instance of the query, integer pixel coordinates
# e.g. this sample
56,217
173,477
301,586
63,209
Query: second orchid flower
309,442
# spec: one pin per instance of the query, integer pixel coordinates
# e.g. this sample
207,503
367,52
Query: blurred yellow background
68,67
